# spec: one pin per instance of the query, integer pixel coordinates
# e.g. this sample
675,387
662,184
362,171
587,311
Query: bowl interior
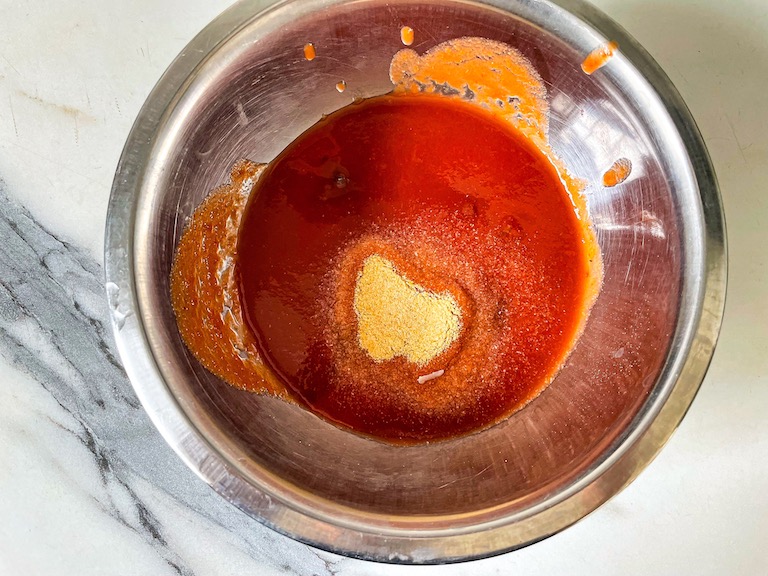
256,92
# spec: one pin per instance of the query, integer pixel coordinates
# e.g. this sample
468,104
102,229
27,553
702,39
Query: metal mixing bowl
243,89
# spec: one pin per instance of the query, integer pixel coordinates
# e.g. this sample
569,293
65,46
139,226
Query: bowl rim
633,452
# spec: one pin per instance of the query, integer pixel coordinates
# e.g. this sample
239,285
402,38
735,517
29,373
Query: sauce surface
426,205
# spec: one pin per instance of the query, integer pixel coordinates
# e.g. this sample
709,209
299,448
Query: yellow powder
397,317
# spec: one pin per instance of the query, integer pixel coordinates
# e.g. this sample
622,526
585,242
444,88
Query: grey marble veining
54,326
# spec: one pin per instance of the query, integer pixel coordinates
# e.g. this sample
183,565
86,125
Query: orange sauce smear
341,85
599,57
617,173
204,291
491,218
407,35
309,51
487,73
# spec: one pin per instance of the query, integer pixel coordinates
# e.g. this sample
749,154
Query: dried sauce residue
484,72
617,173
204,291
599,57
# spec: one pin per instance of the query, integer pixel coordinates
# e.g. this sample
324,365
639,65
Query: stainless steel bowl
242,89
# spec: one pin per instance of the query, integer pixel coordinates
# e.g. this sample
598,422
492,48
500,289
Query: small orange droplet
406,35
617,173
309,51
341,86
599,57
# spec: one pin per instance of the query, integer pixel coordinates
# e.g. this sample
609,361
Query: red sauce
460,203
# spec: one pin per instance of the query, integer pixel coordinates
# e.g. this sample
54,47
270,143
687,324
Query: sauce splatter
599,57
407,35
341,85
617,173
309,51
487,73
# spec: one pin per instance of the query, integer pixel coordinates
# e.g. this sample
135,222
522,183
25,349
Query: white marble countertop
87,487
